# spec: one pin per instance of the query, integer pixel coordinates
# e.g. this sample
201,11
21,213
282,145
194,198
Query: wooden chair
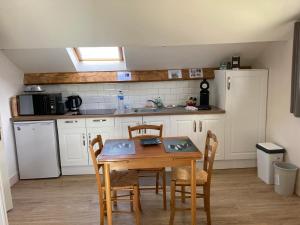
181,178
152,172
120,181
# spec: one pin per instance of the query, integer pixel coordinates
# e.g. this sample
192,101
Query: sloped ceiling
68,23
141,58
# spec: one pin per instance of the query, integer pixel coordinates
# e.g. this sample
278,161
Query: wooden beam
107,77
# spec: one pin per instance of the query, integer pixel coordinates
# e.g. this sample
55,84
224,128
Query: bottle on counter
120,101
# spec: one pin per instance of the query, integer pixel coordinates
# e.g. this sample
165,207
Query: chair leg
183,194
139,196
172,203
136,205
131,201
115,198
207,204
164,189
157,183
102,215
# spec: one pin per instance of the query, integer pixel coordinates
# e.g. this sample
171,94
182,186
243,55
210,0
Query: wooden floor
238,198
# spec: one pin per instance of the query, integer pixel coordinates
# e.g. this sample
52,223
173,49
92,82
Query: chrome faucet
157,102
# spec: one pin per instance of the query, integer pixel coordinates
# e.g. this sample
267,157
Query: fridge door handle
195,126
228,83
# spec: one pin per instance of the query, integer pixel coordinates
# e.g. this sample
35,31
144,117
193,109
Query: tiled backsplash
103,96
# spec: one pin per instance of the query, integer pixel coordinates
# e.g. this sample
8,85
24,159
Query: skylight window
99,53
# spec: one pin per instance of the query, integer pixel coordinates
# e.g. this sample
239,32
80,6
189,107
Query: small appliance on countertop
39,104
204,96
73,103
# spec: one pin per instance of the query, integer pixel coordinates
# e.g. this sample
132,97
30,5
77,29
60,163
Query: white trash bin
285,178
267,154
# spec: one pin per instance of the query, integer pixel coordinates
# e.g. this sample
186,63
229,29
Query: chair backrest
95,148
145,127
211,146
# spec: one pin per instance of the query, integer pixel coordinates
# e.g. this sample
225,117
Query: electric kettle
73,103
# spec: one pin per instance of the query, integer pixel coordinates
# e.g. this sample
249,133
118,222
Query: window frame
79,58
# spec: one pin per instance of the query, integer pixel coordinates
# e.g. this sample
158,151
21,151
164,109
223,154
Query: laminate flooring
238,197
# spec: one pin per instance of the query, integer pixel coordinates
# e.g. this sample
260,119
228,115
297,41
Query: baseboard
14,179
77,170
235,164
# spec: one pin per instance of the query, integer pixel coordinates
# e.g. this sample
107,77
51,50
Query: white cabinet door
217,126
122,124
185,125
73,142
158,120
73,147
246,94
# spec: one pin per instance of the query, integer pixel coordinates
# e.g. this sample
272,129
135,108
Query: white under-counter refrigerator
37,149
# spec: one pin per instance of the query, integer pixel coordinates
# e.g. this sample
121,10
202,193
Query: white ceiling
68,23
141,58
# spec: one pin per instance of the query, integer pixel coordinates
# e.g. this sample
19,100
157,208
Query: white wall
137,58
104,96
68,23
282,127
11,83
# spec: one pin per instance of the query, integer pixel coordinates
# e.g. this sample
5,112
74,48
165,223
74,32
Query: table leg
193,192
108,193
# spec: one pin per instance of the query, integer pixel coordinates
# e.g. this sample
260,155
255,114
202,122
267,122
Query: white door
73,147
246,95
185,125
4,174
158,120
3,215
217,126
122,124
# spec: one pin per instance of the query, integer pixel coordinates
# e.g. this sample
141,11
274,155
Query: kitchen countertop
164,111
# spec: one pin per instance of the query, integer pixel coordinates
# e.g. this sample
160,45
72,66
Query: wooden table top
147,152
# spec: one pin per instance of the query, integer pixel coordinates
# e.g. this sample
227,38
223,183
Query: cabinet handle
83,139
90,139
195,126
228,83
69,121
200,126
97,121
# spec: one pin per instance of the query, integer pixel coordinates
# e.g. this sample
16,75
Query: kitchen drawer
71,123
100,122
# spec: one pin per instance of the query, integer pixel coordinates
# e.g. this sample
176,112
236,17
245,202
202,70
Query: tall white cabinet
243,95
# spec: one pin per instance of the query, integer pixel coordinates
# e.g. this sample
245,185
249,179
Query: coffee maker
73,103
204,96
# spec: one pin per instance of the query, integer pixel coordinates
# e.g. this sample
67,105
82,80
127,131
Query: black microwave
40,104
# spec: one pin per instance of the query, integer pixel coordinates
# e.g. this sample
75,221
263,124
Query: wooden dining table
143,157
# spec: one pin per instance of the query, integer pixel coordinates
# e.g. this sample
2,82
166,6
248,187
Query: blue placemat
183,145
119,147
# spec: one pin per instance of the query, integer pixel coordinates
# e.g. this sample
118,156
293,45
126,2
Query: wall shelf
108,77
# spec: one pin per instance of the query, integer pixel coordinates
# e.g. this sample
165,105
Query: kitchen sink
145,110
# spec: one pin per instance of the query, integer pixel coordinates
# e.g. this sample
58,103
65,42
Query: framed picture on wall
174,74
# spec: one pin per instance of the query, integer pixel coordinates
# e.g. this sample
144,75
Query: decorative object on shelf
195,73
174,74
33,88
204,95
235,62
123,76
